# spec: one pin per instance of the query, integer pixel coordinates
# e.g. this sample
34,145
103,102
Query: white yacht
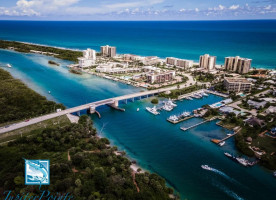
242,161
221,143
206,167
170,103
167,107
186,114
138,109
204,94
189,98
9,66
173,118
153,110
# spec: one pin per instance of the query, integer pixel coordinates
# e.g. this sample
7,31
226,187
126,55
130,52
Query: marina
175,119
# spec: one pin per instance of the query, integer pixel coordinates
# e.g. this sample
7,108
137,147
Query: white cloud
268,7
234,7
196,9
182,10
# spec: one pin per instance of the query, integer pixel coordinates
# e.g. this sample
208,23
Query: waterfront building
88,59
150,69
180,63
237,64
162,77
111,68
207,62
254,121
237,84
131,57
150,60
108,51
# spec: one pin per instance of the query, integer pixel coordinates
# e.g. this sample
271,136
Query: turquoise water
254,39
157,145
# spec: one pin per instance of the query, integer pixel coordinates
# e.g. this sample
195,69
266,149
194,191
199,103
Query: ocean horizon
254,39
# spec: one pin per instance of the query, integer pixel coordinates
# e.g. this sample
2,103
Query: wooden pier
217,141
181,120
185,129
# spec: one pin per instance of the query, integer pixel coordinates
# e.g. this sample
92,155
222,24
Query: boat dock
217,141
185,129
181,120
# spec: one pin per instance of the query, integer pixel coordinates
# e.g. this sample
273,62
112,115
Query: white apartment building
237,64
207,62
180,63
150,60
88,59
108,51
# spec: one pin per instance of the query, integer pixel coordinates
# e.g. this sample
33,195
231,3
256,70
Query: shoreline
80,50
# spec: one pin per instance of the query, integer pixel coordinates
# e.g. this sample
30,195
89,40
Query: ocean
156,145
255,39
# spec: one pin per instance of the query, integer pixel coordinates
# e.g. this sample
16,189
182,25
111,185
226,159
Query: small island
74,71
53,63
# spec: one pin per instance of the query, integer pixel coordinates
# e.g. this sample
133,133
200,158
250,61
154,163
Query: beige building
207,62
237,64
108,51
237,85
180,63
162,77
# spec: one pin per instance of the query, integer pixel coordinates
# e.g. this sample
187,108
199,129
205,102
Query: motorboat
167,107
152,110
206,167
173,118
221,143
242,161
9,66
138,109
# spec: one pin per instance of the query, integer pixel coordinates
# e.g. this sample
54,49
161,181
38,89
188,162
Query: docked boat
170,103
242,161
173,118
229,155
221,143
185,114
167,107
206,167
152,110
204,94
9,66
189,98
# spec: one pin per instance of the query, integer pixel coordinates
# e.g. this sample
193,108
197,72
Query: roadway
78,108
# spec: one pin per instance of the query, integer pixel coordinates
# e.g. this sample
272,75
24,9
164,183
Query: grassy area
227,125
175,93
18,102
34,129
25,48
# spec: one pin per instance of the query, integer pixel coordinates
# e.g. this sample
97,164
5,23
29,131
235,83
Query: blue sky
137,9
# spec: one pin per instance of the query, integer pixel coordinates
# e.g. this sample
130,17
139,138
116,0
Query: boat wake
220,173
228,191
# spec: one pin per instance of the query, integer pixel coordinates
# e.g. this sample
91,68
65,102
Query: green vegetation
203,77
175,93
74,71
18,102
81,164
53,63
25,48
154,101
34,128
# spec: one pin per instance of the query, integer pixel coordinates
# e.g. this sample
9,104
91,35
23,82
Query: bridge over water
113,102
